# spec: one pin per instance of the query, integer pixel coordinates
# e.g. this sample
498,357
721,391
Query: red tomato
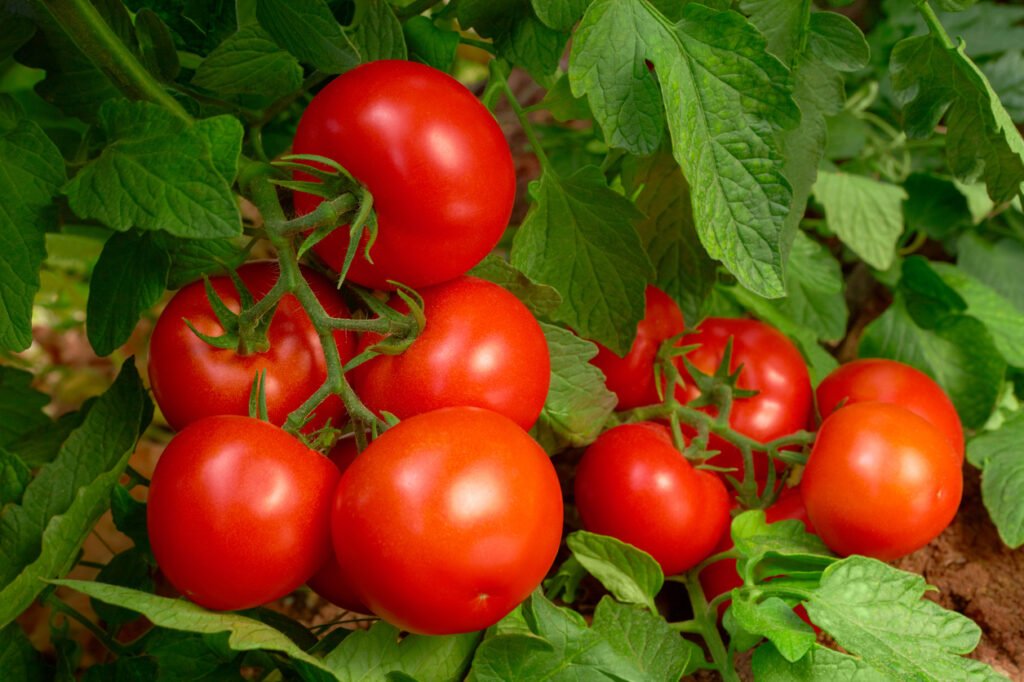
880,481
329,582
888,381
191,379
433,157
481,347
772,366
455,515
632,484
631,377
239,512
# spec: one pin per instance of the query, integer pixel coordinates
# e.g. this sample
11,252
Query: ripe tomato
239,512
455,515
191,379
888,381
772,366
433,157
329,582
631,377
881,481
634,485
481,347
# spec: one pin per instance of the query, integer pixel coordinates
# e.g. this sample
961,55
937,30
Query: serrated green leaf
378,35
244,634
515,657
430,44
982,142
190,656
579,237
308,30
40,538
781,22
18,659
42,444
560,15
519,36
21,406
775,620
866,214
31,172
769,549
578,403
820,665
157,173
14,478
372,654
726,98
129,278
997,264
1004,321
630,574
646,640
837,42
541,299
877,612
684,270
156,45
223,135
998,454
935,206
249,62
1006,74
814,281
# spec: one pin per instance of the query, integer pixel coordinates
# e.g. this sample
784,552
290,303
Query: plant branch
935,26
499,72
58,605
706,624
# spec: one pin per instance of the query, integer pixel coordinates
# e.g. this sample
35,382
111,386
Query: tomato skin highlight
888,381
481,347
631,378
772,365
632,484
434,158
455,517
191,379
239,512
880,481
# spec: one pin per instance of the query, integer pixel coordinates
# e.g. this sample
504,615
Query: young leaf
308,30
630,574
245,634
380,652
774,619
41,537
646,640
429,44
819,665
997,453
249,62
378,35
157,173
21,406
541,299
18,659
31,172
866,214
578,402
519,36
775,548
725,98
982,142
877,612
129,277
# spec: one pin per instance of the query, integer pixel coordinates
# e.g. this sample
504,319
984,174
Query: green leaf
1006,74
196,26
560,15
129,278
982,142
837,42
131,568
40,538
775,548
578,402
565,106
646,640
726,98
775,620
15,31
14,478
156,45
814,281
31,172
249,62
308,30
579,237
18,659
519,36
998,454
157,173
129,516
190,656
630,574
781,22
866,214
378,35
997,264
935,206
245,634
21,406
820,665
193,258
684,270
430,44
373,654
139,669
514,658
541,299
877,612
42,444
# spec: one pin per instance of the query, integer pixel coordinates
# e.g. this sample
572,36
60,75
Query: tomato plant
192,379
634,485
880,481
455,516
239,512
435,160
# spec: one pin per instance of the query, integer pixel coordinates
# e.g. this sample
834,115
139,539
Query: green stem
60,606
935,26
97,41
706,622
689,626
480,44
416,8
500,71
